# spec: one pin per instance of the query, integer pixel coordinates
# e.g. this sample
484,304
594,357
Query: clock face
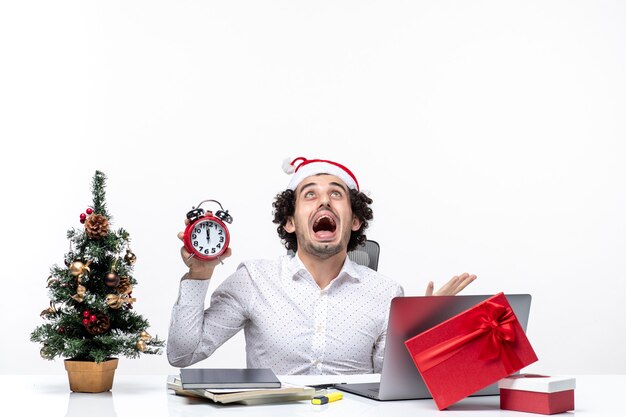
208,238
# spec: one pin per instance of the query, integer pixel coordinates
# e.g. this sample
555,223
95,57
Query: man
315,312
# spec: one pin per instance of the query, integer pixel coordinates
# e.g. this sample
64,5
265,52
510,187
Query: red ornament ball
61,330
86,313
82,221
85,322
92,318
89,210
83,216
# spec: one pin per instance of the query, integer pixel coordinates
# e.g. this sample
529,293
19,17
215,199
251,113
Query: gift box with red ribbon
471,350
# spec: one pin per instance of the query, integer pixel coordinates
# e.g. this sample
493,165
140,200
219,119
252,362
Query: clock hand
208,234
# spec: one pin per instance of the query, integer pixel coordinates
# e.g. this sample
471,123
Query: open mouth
324,226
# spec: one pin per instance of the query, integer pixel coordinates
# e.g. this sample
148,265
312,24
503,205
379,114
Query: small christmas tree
91,315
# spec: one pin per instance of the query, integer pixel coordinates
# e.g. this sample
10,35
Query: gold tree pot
86,376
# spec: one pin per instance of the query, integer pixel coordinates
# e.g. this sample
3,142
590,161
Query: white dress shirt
290,324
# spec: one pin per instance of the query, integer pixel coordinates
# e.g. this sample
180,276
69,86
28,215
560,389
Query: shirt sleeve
194,332
379,347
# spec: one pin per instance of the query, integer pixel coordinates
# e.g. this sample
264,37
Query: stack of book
244,386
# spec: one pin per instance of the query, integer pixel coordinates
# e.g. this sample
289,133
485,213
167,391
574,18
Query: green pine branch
98,191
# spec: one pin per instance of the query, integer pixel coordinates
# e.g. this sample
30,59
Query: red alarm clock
206,236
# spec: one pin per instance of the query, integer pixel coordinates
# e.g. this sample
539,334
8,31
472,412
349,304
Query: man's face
323,218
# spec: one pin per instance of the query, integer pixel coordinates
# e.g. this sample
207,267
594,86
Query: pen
328,398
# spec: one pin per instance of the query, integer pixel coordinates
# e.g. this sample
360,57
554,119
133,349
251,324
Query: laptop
408,316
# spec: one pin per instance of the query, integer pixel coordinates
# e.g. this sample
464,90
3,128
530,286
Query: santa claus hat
302,168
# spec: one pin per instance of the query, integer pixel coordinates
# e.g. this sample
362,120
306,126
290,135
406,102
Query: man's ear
356,223
289,226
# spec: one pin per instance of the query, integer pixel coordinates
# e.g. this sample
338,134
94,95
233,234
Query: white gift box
541,394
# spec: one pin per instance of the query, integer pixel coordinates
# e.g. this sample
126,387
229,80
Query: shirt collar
297,268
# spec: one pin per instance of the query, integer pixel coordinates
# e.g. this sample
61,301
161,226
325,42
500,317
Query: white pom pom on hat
302,168
287,167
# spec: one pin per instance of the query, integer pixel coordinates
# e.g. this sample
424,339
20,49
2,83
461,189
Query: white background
490,135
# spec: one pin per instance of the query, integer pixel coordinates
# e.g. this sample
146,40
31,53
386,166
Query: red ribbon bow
494,322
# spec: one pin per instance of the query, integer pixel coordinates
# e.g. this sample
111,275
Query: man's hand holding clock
199,269
199,252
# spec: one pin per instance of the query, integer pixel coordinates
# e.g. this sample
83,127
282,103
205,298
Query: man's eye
309,194
336,194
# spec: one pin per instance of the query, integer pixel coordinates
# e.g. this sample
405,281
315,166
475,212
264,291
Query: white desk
147,396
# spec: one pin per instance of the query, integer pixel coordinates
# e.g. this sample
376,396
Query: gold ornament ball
76,268
145,336
141,345
130,257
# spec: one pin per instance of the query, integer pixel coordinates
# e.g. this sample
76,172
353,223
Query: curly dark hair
285,207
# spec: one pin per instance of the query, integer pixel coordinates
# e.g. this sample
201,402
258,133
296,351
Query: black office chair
366,254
